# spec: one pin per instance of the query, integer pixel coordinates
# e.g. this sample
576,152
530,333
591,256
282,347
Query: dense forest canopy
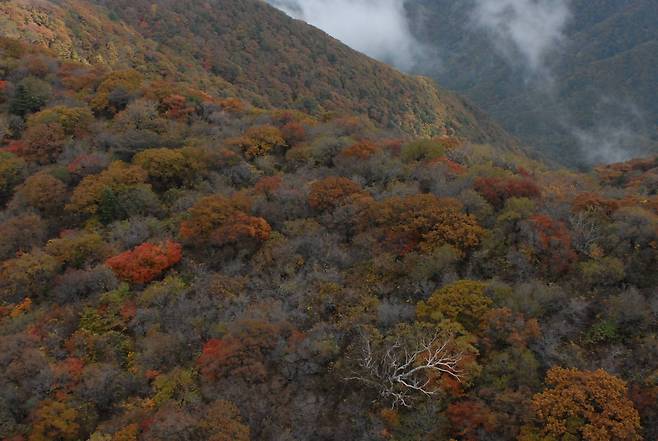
178,262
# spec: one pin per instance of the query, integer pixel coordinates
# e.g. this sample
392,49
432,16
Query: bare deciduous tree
398,372
585,232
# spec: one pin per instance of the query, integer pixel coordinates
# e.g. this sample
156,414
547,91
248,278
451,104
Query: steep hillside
596,98
181,267
246,49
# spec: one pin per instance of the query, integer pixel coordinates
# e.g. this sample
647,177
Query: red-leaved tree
146,262
497,190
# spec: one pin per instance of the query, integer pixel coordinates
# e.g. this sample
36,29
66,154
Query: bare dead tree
586,232
399,373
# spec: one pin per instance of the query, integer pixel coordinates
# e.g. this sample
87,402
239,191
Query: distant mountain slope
602,101
248,49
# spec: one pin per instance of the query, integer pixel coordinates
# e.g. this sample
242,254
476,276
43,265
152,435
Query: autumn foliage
224,422
463,301
553,244
592,406
593,202
259,141
359,151
221,221
73,120
55,420
421,222
241,354
113,92
11,174
43,143
468,418
146,262
168,168
88,195
291,237
43,192
330,192
497,190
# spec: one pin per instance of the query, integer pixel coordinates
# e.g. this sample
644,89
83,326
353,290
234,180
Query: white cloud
378,28
531,29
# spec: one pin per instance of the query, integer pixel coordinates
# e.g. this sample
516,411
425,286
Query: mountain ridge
230,60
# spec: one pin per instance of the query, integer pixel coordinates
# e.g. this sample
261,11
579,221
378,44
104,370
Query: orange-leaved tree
592,406
421,222
469,417
259,141
219,221
330,192
111,94
73,120
55,420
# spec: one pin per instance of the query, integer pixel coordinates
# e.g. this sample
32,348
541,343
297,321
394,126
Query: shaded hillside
597,99
181,267
246,49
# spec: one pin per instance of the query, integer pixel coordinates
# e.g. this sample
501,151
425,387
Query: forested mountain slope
248,49
191,251
178,266
596,97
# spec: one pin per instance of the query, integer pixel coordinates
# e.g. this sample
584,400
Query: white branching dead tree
400,373
585,232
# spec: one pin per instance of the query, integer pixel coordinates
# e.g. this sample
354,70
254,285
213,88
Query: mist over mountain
525,31
220,223
379,29
574,79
